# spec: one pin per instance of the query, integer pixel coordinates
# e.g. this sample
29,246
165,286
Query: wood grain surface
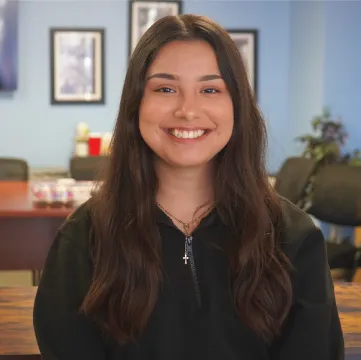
348,298
16,321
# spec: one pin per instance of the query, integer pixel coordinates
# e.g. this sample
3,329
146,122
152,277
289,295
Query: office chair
13,169
293,179
336,199
87,168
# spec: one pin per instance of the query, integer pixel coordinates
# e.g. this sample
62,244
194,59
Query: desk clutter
61,193
90,143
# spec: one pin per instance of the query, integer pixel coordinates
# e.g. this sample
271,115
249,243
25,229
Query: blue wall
306,70
343,65
308,53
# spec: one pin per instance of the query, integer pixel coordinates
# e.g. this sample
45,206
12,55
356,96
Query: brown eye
210,91
165,90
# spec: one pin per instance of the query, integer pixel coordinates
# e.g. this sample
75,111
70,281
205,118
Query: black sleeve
312,330
61,331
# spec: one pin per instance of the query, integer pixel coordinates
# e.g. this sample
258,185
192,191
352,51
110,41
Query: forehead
185,56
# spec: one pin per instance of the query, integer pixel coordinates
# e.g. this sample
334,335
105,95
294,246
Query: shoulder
298,229
78,224
305,246
66,278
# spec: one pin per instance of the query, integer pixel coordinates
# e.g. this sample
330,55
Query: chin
187,163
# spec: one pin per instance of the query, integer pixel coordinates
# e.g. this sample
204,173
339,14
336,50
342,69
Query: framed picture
8,45
247,43
144,13
77,66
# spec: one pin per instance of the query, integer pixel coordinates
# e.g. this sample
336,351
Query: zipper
190,256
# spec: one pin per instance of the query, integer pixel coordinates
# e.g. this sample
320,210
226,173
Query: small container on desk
94,144
81,148
55,194
41,194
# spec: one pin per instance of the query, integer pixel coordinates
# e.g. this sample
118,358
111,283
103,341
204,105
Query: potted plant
326,144
326,147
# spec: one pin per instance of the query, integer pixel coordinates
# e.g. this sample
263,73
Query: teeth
183,134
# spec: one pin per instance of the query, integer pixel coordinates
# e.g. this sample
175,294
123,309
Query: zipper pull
189,240
187,246
190,256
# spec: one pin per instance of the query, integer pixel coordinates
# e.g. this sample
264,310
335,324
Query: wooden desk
358,237
16,201
17,339
26,232
348,297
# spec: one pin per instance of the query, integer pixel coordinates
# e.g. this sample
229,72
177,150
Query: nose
187,108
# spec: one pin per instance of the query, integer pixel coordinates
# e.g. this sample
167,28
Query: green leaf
326,113
316,122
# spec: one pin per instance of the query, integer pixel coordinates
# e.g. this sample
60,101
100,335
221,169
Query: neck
182,191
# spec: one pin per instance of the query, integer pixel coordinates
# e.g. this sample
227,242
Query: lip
187,141
188,128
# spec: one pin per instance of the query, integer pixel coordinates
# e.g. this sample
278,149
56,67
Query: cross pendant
185,258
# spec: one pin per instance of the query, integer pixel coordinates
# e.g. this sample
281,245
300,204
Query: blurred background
62,67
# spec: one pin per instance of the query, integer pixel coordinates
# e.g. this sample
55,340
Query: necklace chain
186,225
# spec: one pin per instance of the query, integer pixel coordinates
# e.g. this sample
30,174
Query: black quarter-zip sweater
194,318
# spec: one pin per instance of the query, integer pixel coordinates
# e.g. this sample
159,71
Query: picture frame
9,45
77,65
144,13
247,43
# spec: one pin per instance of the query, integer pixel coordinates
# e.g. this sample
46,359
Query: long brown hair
126,246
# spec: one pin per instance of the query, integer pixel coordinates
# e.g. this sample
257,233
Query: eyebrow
174,77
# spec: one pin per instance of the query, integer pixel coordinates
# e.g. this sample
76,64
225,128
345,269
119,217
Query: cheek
224,116
152,111
149,123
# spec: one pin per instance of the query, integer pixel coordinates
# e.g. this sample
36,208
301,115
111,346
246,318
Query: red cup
94,143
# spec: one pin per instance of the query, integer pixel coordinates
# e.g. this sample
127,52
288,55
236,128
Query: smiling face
186,113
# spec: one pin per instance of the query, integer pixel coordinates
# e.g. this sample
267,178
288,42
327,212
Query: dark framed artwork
247,43
77,66
9,45
144,13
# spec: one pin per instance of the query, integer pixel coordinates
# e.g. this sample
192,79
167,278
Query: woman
186,252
